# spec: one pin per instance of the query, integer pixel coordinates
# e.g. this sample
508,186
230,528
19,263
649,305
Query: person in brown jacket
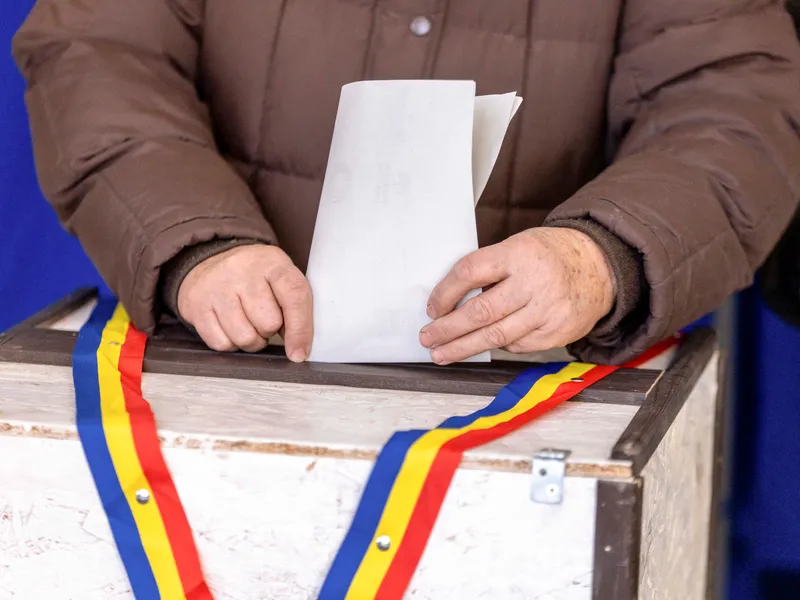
654,164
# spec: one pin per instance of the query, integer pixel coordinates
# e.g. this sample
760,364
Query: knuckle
275,270
242,336
519,347
480,310
272,324
255,347
294,283
249,339
277,262
273,253
237,260
465,268
514,348
496,336
221,345
299,288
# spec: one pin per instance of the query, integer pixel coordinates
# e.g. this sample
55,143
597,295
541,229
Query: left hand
550,287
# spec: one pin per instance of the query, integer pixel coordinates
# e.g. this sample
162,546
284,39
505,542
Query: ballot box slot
175,350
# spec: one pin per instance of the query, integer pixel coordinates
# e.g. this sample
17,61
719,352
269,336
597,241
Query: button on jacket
668,127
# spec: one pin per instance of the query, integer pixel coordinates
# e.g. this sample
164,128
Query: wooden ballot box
609,496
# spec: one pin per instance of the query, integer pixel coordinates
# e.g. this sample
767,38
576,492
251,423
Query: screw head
142,496
383,543
577,380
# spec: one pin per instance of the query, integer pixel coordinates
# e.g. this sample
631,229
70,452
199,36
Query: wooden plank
666,399
289,418
617,540
267,526
179,354
676,504
718,541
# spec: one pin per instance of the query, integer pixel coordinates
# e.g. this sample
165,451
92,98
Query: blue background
39,263
765,507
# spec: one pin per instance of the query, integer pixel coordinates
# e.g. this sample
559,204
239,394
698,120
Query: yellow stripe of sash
117,427
417,464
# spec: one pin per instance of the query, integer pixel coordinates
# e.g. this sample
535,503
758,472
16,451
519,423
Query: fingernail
298,355
431,311
425,339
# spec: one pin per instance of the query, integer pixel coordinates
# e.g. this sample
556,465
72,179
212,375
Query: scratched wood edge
617,541
52,312
610,470
717,542
665,400
175,352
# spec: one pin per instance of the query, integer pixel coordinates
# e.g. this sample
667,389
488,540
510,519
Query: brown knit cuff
174,272
626,264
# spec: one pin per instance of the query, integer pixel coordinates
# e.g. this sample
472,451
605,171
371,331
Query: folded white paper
492,116
408,162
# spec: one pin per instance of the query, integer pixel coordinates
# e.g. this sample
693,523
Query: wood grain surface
292,418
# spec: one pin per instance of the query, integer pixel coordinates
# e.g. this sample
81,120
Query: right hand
239,298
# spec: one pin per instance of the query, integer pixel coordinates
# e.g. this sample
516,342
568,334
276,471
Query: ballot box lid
264,403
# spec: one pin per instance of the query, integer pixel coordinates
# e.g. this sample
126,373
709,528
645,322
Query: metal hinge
549,469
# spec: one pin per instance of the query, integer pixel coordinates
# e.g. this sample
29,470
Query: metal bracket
549,468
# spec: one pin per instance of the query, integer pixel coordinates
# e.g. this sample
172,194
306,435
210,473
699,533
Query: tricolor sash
409,481
120,442
398,507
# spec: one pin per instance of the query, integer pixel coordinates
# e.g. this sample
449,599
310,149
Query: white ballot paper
407,164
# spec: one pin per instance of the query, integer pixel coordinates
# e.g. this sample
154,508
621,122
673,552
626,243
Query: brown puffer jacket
161,124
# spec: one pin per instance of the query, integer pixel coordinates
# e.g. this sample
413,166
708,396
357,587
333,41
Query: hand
551,286
239,298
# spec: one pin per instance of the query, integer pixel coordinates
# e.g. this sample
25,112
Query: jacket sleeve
123,144
704,115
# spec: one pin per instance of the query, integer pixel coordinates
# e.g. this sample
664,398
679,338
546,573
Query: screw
142,496
383,543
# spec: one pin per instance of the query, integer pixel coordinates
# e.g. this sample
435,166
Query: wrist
590,272
628,281
598,268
